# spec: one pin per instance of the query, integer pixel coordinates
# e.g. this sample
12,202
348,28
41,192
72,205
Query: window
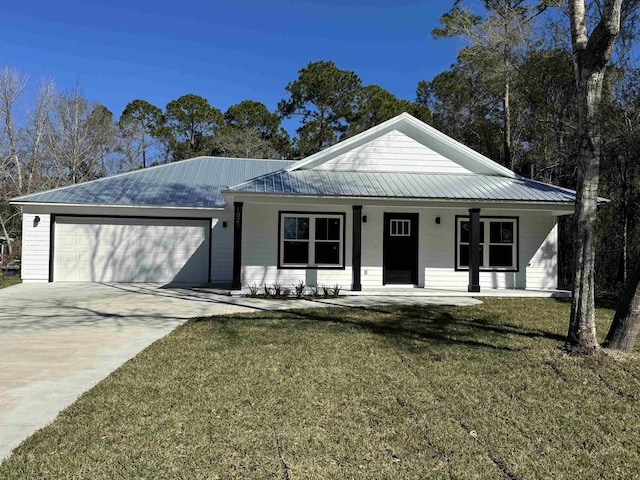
311,240
400,228
500,252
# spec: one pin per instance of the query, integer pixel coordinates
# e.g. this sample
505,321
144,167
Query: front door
400,249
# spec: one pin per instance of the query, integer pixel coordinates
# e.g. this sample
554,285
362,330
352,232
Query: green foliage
254,116
619,222
376,105
139,122
192,122
455,21
464,106
143,114
9,281
325,98
251,131
497,43
545,87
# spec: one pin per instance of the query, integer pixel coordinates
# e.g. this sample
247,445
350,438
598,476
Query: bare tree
242,143
12,85
76,142
591,53
20,142
38,124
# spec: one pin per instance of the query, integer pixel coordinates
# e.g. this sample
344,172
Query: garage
130,249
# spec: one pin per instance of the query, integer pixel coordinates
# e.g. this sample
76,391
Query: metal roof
195,182
404,185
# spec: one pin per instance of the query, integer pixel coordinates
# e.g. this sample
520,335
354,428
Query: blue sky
226,51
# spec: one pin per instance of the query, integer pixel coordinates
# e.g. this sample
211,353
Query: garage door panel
131,250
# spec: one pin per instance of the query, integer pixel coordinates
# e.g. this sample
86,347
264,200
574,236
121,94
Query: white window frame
486,267
312,216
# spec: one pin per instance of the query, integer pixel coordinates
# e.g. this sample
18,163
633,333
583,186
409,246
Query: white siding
35,247
537,249
393,152
222,248
542,269
260,249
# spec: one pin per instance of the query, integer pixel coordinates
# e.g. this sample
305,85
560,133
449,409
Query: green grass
384,393
8,281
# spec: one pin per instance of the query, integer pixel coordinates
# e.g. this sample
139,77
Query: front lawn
8,281
381,393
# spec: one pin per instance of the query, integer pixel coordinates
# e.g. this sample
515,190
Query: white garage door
97,249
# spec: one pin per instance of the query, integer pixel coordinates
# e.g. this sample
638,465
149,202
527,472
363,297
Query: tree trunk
591,53
626,322
581,337
144,151
508,160
625,232
6,235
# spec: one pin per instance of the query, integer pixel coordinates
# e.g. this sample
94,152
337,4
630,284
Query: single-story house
399,204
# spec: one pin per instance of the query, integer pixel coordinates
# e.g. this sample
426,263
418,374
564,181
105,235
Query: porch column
474,250
356,251
237,245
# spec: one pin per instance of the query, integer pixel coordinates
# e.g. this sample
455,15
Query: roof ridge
264,175
456,174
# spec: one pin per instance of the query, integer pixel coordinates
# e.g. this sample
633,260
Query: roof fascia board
102,205
364,200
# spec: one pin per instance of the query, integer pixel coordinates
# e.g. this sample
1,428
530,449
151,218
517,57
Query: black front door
400,250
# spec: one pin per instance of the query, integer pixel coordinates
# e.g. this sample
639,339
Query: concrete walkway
57,340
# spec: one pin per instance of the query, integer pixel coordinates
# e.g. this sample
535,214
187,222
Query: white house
399,204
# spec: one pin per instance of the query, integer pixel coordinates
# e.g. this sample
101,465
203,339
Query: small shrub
299,289
315,291
277,289
335,292
267,290
253,290
326,291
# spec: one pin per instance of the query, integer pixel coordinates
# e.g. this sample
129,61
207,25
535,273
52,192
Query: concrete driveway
57,340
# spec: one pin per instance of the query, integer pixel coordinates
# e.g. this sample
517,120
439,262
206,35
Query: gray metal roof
405,185
195,182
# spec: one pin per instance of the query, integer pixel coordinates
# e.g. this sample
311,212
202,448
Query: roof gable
393,151
403,144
